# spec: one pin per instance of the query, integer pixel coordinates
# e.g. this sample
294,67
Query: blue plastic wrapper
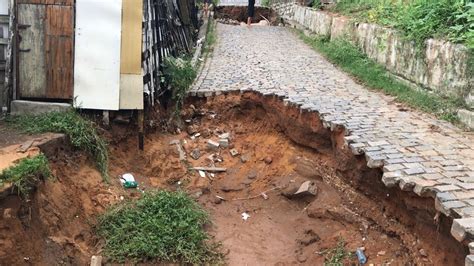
361,256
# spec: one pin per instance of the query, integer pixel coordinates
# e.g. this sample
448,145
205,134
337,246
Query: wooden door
45,49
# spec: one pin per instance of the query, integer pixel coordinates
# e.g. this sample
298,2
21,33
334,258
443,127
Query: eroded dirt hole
279,148
237,14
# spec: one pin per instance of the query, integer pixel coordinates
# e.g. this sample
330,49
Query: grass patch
81,132
211,36
26,173
353,61
164,226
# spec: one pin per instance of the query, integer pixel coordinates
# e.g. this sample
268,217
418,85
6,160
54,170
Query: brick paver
417,152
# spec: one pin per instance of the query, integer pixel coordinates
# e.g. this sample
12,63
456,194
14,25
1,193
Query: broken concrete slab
224,143
234,152
212,145
20,107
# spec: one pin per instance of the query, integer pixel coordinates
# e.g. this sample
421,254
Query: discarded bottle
130,184
361,256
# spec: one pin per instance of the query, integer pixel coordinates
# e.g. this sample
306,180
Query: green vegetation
164,226
367,71
26,173
81,132
418,20
211,36
180,75
336,255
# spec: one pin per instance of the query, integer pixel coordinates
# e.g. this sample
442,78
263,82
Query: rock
301,258
7,213
212,145
217,201
224,143
224,136
423,253
234,152
307,168
192,129
381,253
307,188
96,261
245,158
294,190
195,154
206,133
252,174
268,160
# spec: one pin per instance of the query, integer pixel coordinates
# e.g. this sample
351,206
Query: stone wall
441,67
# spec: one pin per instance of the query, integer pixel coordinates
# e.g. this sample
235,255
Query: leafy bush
180,75
418,19
81,132
166,226
26,173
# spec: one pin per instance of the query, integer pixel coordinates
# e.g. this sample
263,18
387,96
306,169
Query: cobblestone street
416,151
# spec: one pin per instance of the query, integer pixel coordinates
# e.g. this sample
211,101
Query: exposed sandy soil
56,225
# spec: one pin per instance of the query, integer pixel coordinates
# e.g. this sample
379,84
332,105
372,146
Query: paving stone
460,228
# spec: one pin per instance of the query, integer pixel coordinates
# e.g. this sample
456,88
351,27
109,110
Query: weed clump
26,173
163,226
81,132
180,75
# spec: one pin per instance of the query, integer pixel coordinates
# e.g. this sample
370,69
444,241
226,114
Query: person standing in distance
250,11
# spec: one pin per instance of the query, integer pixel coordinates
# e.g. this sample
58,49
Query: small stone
381,253
268,160
7,213
217,201
206,133
96,261
244,158
252,174
301,258
307,188
234,152
224,143
192,129
195,154
212,145
423,253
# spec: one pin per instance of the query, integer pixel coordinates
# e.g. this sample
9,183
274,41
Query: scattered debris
195,154
128,181
224,143
361,256
264,195
234,152
423,253
192,129
381,253
212,145
245,216
209,169
202,173
7,213
224,136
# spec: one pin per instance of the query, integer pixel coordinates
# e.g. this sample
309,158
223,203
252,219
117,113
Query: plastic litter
245,216
361,256
128,181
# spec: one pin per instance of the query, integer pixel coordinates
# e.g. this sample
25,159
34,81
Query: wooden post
141,126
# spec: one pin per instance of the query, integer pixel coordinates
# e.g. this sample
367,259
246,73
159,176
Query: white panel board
4,7
97,54
131,91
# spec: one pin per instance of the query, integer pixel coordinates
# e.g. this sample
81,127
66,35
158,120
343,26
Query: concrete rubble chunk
460,227
224,143
212,145
469,261
234,152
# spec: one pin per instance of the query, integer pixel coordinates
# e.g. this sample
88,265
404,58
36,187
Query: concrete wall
441,67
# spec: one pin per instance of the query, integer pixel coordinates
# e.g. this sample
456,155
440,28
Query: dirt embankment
278,146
